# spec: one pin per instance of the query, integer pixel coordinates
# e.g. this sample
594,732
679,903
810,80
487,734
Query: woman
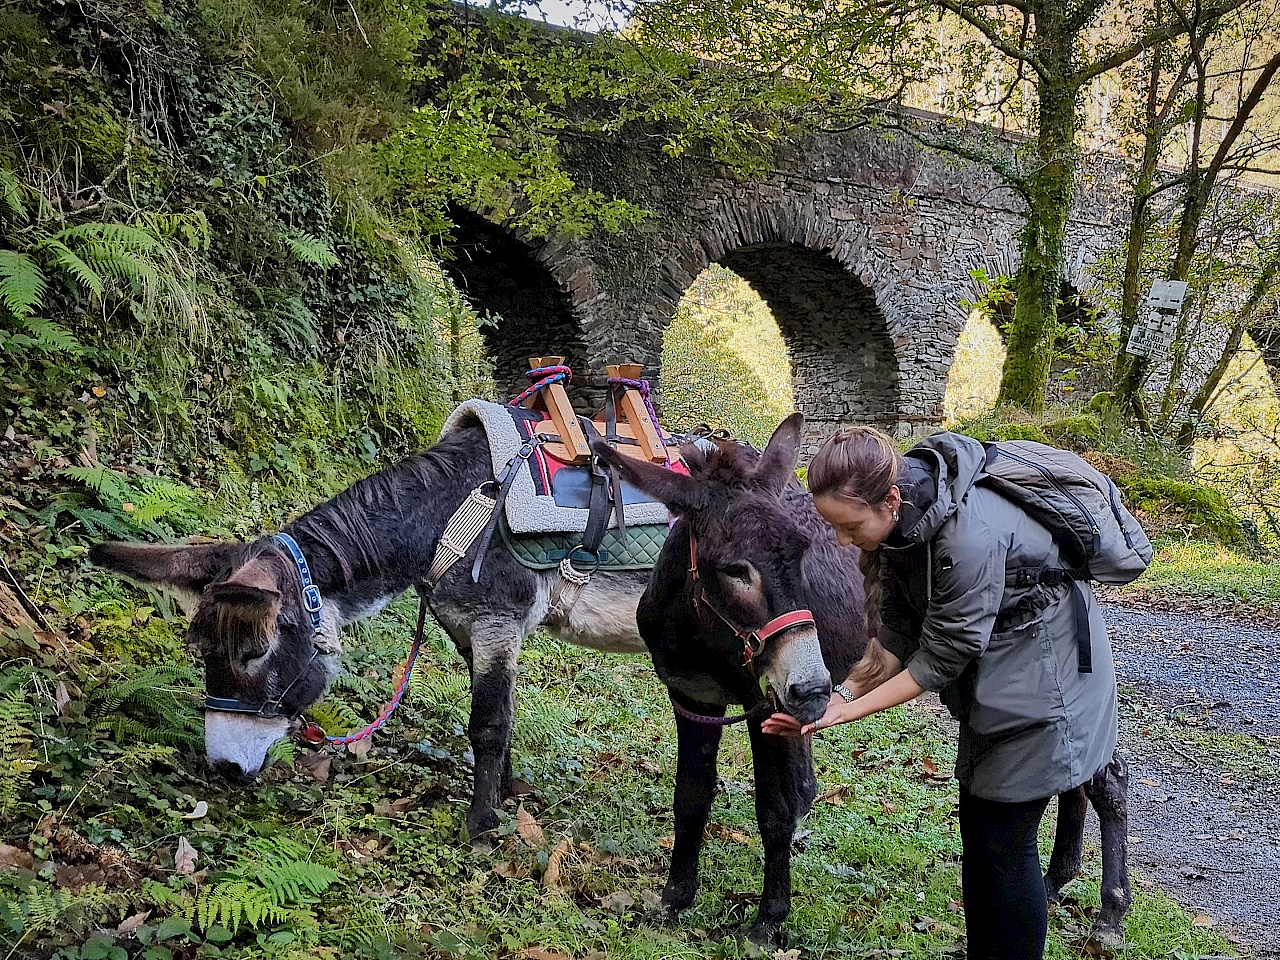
949,612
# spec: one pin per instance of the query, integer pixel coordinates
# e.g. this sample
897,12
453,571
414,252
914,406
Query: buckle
311,598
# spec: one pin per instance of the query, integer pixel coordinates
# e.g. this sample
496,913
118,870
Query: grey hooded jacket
1003,656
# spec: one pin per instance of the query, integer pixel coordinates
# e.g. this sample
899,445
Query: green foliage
1077,432
724,362
1165,502
155,705
275,880
16,721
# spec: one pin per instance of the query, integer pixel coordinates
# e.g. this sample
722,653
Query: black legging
1005,909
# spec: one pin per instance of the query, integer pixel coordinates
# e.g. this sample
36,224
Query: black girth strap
503,481
601,502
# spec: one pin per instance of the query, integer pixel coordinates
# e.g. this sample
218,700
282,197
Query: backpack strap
1056,577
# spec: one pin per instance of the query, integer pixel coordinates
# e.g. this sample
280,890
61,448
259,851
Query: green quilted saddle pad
543,551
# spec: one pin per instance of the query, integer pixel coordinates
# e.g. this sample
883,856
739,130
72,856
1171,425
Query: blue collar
311,598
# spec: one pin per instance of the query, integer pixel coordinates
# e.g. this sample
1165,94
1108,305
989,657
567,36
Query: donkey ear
778,462
186,568
254,587
678,491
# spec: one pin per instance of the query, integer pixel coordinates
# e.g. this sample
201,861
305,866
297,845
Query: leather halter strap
313,602
753,641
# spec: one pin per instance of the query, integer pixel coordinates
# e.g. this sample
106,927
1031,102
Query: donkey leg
785,789
495,645
1108,791
1068,843
697,746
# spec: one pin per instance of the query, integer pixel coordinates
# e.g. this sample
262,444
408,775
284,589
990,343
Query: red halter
753,641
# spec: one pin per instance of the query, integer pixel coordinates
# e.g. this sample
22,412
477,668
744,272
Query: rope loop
556,373
643,387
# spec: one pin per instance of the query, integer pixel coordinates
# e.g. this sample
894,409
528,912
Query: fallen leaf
316,765
888,807
835,796
930,767
551,876
618,901
61,698
11,856
184,860
201,810
402,805
666,843
543,953
99,392
361,747
1202,920
512,871
132,923
652,899
1149,783
528,829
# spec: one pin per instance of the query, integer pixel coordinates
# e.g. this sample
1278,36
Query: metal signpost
1157,323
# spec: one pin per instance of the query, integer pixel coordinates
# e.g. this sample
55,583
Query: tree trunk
1038,281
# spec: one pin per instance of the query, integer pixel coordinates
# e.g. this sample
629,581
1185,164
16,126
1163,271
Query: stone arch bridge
862,244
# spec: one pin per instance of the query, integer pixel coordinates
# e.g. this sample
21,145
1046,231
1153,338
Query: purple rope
643,387
553,374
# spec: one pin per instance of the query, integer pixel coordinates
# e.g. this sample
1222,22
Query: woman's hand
785,725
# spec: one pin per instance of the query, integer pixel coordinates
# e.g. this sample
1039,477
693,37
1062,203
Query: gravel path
1200,724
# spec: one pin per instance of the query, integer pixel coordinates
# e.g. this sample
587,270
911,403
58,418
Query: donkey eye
739,571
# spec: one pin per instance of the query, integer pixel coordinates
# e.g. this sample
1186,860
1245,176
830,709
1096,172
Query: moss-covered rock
1176,506
1081,432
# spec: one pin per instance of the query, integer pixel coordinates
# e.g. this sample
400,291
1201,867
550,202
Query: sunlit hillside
724,362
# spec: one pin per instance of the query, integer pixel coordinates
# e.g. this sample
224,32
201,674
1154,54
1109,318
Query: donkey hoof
678,896
1106,938
768,934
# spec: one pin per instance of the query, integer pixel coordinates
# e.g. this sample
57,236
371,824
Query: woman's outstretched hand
785,725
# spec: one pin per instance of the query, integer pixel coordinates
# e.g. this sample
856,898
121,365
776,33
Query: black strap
504,481
599,503
1056,577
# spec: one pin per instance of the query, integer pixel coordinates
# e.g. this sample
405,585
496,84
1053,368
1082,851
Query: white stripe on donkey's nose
241,739
798,675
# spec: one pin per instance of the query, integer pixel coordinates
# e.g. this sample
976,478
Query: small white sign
1153,334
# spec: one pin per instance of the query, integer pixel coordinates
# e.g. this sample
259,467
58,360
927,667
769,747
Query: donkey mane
345,524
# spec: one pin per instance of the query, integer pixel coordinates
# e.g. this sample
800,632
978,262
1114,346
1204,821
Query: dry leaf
551,877
403,804
61,698
618,901
666,843
1202,920
835,796
360,748
528,829
201,810
888,807
11,856
512,871
184,860
930,767
132,923
316,765
543,953
99,392
1149,783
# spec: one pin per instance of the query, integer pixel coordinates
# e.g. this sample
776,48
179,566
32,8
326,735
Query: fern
22,283
334,716
134,506
542,722
310,250
16,737
445,694
275,880
116,236
66,260
49,337
11,199
155,705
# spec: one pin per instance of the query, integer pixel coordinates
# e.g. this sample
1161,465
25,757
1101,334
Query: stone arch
842,358
812,271
518,285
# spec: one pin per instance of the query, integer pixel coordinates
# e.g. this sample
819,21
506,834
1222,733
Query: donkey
750,585
266,660
748,550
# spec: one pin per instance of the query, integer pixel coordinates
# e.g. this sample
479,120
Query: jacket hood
955,462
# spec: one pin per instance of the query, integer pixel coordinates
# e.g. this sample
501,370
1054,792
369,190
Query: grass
1198,569
877,872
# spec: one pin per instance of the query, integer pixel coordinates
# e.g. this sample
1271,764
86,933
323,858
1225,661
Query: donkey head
264,660
750,547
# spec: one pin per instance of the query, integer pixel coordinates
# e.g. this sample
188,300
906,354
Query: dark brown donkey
748,552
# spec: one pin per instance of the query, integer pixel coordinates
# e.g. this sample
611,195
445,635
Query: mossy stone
1200,512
